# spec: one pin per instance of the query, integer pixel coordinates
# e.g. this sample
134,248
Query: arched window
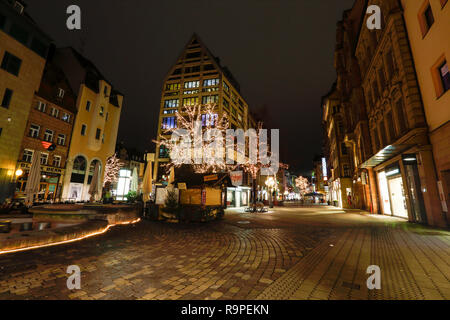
92,169
79,170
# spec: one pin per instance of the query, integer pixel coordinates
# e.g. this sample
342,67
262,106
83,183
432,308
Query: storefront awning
384,155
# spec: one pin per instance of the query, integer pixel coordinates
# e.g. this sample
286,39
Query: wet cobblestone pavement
290,253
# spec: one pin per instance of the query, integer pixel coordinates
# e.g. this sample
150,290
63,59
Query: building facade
23,51
337,154
96,125
50,122
428,26
384,125
198,78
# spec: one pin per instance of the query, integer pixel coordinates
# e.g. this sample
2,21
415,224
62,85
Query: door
398,201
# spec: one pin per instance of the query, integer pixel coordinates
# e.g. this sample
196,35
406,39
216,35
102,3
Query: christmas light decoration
303,185
112,167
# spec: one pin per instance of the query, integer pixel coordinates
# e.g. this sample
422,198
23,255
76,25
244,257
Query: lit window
211,82
55,112
210,99
191,84
171,103
57,161
44,158
172,86
169,123
102,110
445,76
27,155
61,139
61,93
66,117
225,86
41,106
209,120
48,135
34,131
190,101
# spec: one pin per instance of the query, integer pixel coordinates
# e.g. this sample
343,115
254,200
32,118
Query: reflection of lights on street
72,240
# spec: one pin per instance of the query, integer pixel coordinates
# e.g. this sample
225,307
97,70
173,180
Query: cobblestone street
291,253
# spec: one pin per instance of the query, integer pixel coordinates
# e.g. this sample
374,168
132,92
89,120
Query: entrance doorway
397,195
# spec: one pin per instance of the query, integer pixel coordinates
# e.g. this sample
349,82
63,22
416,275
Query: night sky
280,51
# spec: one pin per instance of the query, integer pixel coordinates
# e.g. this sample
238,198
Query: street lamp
270,183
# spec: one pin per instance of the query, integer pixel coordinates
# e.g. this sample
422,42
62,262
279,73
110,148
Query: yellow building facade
96,125
23,49
428,25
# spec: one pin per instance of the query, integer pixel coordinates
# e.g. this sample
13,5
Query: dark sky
280,51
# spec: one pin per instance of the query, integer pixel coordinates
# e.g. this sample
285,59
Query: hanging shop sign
236,178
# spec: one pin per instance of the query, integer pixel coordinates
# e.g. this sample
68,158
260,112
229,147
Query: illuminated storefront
123,184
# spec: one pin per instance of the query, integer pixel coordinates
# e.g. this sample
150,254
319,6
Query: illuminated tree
192,124
112,167
303,185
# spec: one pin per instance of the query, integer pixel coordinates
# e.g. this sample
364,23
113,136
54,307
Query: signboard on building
324,169
236,178
212,177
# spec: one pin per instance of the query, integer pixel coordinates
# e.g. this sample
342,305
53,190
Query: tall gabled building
198,78
94,135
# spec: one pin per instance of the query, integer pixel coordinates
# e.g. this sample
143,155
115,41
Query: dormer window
61,93
18,7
